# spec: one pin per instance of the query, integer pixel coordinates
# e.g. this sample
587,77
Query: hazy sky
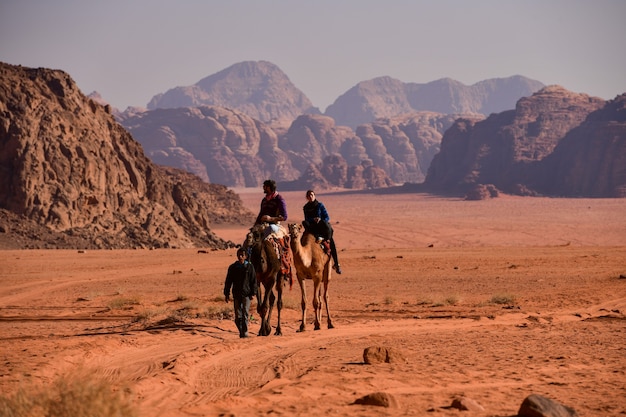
129,50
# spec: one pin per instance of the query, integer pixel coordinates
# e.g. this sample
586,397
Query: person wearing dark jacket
317,221
242,278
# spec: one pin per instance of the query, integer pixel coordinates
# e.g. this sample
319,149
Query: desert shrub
507,299
147,314
452,300
180,297
120,303
220,311
78,394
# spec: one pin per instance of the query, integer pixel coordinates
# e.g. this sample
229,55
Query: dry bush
507,299
78,394
221,311
121,303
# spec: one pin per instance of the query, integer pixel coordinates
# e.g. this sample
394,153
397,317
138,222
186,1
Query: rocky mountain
256,88
516,150
219,145
590,160
227,147
262,91
72,176
386,97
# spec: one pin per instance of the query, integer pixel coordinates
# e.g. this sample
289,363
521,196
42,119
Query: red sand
561,333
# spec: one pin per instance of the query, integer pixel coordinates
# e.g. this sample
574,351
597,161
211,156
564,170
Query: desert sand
488,300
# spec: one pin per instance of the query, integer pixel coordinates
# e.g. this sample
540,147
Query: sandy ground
490,300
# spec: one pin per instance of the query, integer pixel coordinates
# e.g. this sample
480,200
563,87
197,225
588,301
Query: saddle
325,245
283,251
280,241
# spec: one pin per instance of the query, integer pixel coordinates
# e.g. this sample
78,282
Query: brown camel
311,262
268,272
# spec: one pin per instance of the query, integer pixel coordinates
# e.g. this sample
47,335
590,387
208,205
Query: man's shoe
338,269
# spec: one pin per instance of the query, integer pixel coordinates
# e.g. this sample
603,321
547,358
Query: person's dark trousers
242,315
321,228
333,251
325,230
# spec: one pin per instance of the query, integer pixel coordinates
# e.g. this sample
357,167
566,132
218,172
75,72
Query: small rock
380,399
538,406
379,354
466,404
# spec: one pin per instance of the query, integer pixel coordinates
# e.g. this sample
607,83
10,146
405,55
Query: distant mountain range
387,97
262,91
381,132
256,88
360,126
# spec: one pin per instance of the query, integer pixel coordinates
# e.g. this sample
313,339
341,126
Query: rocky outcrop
590,160
219,145
385,97
334,172
500,149
404,146
66,164
227,147
311,138
256,88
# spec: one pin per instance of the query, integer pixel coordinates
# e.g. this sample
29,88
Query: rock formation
66,164
500,149
385,97
219,145
227,147
256,88
590,161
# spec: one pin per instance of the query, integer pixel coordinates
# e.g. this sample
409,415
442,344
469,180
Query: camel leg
317,303
279,304
272,300
265,311
303,303
330,320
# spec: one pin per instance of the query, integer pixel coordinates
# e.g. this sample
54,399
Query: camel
268,271
311,262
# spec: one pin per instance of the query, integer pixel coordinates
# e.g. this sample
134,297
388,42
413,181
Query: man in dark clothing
242,278
317,222
273,207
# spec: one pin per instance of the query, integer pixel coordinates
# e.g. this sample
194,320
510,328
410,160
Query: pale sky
131,50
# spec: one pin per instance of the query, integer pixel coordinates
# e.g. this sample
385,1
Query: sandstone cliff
227,147
590,161
502,149
219,145
385,97
66,164
259,89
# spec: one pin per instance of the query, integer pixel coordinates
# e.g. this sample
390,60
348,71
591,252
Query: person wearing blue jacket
242,278
317,221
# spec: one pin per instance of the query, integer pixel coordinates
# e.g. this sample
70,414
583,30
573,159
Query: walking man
242,278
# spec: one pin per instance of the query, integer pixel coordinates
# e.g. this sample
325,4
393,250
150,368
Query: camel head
255,235
294,230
